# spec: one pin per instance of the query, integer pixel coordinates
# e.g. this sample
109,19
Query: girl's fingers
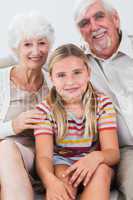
70,192
75,176
69,170
87,179
80,178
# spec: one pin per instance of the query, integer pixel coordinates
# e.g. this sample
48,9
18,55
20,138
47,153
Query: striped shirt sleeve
107,114
45,123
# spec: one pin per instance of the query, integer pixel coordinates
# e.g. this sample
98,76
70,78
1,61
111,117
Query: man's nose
93,24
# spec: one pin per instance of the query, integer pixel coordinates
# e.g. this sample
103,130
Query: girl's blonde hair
89,98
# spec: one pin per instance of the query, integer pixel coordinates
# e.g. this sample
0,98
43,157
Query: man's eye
83,23
99,15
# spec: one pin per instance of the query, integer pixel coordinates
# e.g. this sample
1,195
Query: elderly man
111,53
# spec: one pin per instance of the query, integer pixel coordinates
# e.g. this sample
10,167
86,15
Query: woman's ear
15,52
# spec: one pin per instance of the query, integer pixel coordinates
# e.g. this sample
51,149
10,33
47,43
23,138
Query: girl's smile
70,76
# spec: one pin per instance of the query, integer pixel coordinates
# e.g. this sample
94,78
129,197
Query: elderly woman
21,87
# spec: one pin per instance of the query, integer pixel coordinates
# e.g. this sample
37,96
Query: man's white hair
81,7
27,26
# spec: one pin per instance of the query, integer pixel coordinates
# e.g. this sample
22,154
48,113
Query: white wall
59,12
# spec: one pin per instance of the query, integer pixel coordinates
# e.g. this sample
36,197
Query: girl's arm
55,188
84,169
109,149
44,154
110,153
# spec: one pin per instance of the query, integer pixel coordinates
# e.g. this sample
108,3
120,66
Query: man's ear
89,72
116,19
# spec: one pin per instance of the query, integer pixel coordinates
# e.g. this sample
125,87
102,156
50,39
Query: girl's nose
70,80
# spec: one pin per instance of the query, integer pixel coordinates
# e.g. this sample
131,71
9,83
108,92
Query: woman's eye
42,43
27,44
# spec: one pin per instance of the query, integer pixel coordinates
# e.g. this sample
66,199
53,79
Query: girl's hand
59,191
83,169
26,120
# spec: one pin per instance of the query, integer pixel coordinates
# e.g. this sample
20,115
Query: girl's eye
61,75
77,72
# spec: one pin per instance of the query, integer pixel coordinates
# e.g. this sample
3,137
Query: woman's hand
83,170
59,191
26,120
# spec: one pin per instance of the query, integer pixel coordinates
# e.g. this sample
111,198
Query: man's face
99,28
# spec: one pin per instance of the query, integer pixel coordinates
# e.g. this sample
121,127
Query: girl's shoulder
44,107
103,98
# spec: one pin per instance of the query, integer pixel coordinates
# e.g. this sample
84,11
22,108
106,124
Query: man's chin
102,45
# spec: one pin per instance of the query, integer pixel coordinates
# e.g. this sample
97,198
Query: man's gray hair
81,7
27,26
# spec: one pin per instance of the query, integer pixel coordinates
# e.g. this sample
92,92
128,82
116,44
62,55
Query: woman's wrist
14,127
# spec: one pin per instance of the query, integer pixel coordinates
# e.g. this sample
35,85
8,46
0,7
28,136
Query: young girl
76,140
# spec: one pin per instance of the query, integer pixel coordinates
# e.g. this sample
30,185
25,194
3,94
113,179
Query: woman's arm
6,129
23,121
26,120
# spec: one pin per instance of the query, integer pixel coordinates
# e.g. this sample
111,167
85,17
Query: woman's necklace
23,83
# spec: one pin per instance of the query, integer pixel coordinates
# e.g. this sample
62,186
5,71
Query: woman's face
33,52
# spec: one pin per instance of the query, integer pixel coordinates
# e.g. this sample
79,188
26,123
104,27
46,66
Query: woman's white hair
27,26
81,7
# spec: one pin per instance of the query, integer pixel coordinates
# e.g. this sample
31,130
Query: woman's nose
35,50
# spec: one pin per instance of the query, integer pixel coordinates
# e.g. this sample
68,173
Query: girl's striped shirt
76,144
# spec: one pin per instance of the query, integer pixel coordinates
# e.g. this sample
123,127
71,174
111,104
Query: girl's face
33,52
70,77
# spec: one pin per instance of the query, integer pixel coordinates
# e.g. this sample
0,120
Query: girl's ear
51,79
